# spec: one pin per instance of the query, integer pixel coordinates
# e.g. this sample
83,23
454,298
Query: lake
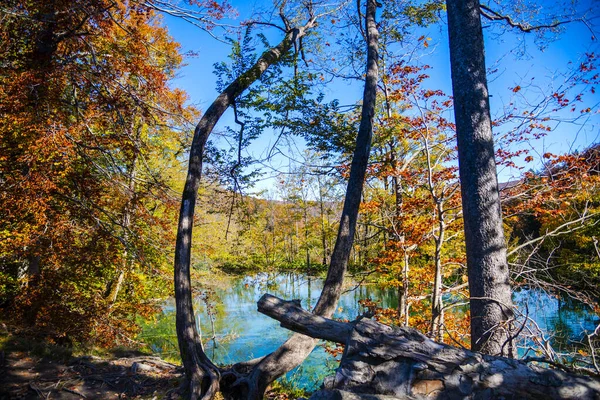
227,309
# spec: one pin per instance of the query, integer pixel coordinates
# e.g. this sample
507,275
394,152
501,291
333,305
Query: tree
200,371
89,156
420,209
291,353
201,374
307,191
490,294
203,377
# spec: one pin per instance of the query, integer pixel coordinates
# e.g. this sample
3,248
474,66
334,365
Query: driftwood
404,363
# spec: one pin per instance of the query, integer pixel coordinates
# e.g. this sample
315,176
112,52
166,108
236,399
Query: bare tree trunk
405,288
298,347
403,303
306,236
115,286
201,374
437,302
484,236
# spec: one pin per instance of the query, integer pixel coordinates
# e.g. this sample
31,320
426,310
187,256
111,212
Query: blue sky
503,54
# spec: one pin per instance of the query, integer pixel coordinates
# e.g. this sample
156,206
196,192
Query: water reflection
564,321
241,333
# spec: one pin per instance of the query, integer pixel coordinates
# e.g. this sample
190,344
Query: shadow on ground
23,376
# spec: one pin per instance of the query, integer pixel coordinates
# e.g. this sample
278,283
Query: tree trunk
404,363
437,301
33,266
201,374
484,236
358,169
298,347
306,236
114,287
405,305
323,229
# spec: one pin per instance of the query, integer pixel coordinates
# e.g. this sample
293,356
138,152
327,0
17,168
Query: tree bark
402,362
488,273
403,298
201,374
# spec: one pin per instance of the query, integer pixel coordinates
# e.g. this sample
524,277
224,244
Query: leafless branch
492,15
567,227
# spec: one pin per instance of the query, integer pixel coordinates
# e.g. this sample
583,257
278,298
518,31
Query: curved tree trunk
491,304
201,374
250,379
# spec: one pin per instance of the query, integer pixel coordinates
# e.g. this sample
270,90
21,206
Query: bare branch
562,229
523,27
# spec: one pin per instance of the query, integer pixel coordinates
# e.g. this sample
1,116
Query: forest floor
24,376
30,370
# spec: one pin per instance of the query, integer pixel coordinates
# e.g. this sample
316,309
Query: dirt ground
25,377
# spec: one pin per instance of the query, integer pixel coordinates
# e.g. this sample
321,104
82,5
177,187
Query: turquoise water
241,333
564,321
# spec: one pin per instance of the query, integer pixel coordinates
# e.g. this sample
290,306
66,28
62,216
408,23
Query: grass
284,389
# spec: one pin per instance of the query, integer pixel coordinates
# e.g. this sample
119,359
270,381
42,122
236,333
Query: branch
293,317
249,23
496,16
557,231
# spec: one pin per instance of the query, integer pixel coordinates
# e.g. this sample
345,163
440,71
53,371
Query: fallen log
402,362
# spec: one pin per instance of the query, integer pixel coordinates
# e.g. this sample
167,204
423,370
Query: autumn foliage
413,218
91,132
